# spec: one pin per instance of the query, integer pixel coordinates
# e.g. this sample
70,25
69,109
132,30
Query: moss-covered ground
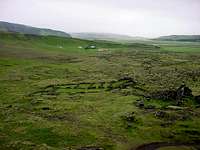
52,96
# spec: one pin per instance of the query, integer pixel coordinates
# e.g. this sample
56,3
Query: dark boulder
140,104
197,99
45,108
161,114
183,91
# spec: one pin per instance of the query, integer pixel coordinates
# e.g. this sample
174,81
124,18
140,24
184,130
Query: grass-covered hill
184,38
23,29
61,43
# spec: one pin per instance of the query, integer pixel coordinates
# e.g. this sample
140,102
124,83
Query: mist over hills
106,37
24,29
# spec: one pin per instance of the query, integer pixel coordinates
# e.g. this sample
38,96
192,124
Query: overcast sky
149,18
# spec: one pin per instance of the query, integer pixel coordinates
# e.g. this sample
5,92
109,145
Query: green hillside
183,38
61,43
23,29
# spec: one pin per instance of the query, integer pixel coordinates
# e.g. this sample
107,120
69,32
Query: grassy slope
23,29
64,121
52,42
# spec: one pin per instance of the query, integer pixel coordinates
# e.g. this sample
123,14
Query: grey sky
150,18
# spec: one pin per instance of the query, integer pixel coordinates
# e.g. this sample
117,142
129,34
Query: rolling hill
61,43
107,37
184,38
23,29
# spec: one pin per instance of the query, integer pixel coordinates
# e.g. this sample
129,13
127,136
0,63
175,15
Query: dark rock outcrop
178,94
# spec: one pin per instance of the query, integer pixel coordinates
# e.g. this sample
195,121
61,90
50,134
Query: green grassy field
55,95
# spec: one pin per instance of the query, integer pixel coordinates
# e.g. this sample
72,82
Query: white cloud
138,18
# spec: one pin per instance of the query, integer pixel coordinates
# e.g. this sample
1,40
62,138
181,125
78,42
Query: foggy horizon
144,18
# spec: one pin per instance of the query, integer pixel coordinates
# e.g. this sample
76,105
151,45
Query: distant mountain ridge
189,38
23,29
106,37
